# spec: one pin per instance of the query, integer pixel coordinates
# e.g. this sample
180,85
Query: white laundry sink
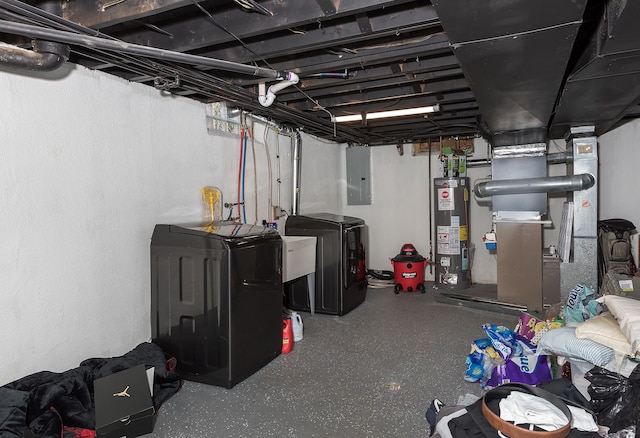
298,256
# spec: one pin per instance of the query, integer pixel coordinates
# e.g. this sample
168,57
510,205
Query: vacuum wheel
397,289
421,288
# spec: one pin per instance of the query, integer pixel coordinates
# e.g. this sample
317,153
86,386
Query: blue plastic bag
581,305
481,361
503,340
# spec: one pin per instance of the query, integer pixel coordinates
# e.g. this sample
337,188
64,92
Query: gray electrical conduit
135,49
45,56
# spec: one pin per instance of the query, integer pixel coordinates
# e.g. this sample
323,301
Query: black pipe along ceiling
512,72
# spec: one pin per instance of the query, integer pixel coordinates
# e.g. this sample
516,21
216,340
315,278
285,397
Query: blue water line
244,162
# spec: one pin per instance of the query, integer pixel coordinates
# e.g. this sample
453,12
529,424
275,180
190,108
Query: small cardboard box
123,403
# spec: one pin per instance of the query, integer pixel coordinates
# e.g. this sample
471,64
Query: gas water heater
452,231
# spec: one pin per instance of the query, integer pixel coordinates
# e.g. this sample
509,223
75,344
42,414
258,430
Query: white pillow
604,329
627,312
563,342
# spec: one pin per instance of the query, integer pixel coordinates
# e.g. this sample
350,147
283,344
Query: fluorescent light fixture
352,118
388,114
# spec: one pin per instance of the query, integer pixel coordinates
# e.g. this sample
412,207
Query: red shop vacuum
408,270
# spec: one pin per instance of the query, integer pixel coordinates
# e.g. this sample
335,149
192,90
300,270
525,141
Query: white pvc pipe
268,97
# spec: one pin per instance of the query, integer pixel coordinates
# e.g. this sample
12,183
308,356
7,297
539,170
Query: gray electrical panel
358,176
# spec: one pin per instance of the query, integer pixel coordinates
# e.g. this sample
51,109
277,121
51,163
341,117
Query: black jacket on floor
46,403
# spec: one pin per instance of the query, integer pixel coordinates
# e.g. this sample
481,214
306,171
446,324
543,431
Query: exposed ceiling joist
493,67
105,13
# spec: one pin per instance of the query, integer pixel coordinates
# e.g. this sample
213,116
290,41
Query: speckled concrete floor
370,373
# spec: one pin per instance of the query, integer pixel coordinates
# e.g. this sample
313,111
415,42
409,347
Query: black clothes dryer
216,299
341,280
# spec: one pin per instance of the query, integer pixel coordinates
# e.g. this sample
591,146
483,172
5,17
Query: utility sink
298,256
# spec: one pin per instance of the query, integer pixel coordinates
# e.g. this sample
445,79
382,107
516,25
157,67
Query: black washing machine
341,280
216,299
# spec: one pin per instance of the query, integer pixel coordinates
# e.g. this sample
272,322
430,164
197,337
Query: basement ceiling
512,72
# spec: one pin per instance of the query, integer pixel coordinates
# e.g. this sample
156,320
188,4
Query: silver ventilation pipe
560,157
478,162
557,158
296,152
535,185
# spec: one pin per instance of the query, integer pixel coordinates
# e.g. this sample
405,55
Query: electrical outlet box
278,212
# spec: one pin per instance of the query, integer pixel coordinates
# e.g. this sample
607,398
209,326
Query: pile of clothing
54,405
554,410
589,341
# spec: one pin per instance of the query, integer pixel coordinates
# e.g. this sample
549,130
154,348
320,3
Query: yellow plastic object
212,207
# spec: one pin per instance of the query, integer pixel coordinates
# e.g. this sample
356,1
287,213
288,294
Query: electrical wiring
317,103
192,81
374,283
379,279
557,146
237,38
322,140
397,44
215,22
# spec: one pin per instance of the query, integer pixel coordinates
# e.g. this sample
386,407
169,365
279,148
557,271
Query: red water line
240,171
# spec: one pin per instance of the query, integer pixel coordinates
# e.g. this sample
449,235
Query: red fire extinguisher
287,336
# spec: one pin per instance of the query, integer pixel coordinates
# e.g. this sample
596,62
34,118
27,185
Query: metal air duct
602,87
515,65
535,185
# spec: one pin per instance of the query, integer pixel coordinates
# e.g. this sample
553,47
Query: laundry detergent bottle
298,326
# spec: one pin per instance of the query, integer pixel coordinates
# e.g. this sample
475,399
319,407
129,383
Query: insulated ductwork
267,98
535,185
45,56
515,66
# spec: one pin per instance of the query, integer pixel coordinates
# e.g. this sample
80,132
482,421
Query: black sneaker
432,414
